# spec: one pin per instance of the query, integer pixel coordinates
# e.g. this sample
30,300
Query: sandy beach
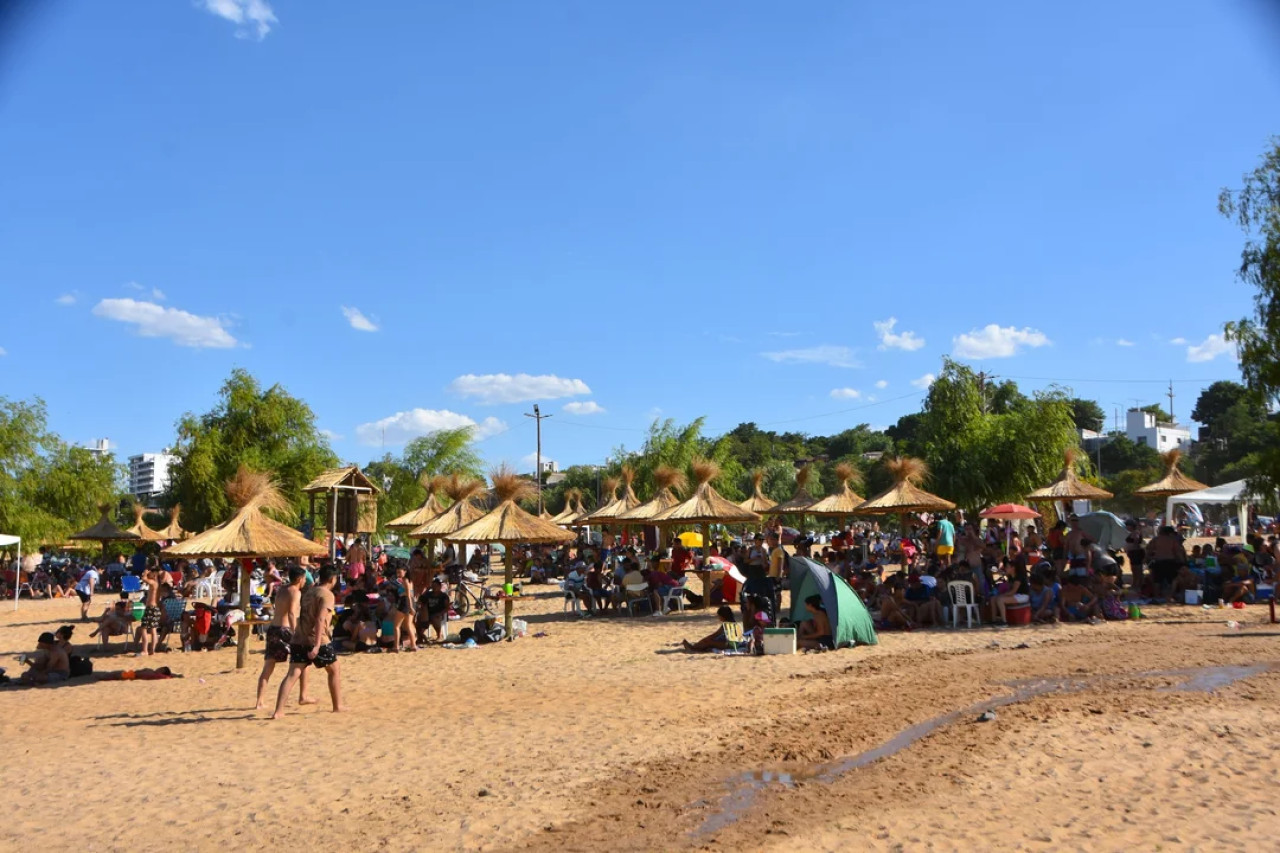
599,736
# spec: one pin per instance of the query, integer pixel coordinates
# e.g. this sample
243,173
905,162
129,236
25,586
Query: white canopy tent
1236,492
5,541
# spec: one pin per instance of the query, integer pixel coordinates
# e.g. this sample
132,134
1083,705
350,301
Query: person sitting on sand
815,632
1044,600
919,603
1186,579
1010,591
727,636
1239,586
49,664
889,599
1078,603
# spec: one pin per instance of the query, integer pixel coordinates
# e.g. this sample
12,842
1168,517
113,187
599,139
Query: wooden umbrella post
509,604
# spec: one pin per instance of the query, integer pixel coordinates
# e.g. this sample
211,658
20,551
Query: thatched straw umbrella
140,527
174,531
614,508
430,508
800,501
105,531
1069,487
759,502
508,524
461,490
570,512
705,507
1174,482
905,495
843,502
668,482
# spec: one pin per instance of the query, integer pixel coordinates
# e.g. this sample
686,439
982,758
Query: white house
1143,428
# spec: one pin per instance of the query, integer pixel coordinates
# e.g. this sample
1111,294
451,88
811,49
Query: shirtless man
149,627
311,641
284,619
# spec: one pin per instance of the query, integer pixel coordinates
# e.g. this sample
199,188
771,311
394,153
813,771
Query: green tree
48,489
1221,396
267,430
1255,207
401,477
1156,409
1087,414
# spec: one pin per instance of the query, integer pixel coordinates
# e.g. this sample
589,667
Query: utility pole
1172,419
539,418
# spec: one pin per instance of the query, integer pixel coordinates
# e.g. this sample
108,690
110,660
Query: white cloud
358,320
588,407
1210,348
889,339
992,341
156,321
504,388
784,334
68,298
835,356
846,393
330,434
530,461
3,351
253,18
403,426
1121,342
882,383
1178,342
924,381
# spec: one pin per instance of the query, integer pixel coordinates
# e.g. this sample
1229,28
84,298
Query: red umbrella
1009,512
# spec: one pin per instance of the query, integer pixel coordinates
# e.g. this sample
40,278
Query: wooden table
243,628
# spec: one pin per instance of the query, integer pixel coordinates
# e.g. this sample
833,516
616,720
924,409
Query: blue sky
416,215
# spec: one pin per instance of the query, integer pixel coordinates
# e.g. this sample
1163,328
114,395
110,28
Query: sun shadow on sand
179,721
160,714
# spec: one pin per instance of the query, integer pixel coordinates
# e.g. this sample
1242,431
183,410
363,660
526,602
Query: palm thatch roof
843,501
705,505
570,512
1068,486
174,531
461,489
669,482
350,477
250,532
801,500
140,527
610,511
905,495
508,522
430,508
105,530
759,502
1174,482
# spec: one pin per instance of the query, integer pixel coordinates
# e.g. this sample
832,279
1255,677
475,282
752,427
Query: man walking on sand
310,644
280,633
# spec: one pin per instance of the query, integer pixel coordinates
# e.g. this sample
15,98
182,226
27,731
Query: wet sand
600,736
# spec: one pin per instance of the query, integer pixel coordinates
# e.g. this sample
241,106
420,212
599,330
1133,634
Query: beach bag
80,666
1112,609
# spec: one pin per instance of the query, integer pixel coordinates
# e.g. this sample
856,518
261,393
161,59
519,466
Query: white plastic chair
571,597
676,595
204,589
962,598
638,599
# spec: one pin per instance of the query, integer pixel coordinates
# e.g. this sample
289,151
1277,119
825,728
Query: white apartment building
1143,428
149,474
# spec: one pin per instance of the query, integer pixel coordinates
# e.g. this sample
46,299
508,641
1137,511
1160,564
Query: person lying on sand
158,674
727,636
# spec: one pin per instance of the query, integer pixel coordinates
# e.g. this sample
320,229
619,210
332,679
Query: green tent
851,624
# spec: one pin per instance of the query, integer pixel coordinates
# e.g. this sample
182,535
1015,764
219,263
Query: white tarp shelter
5,541
1236,492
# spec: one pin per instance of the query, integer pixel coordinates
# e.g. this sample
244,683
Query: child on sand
815,632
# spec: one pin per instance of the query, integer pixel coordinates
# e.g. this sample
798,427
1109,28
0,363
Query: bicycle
470,595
